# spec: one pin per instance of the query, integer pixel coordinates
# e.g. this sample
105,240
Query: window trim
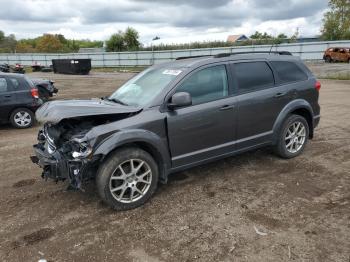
195,70
234,76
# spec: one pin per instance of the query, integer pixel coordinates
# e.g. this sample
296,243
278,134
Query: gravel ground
332,70
208,213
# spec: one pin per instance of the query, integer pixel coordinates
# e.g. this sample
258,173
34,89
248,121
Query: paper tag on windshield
171,72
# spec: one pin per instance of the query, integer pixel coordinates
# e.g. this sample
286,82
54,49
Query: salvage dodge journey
174,116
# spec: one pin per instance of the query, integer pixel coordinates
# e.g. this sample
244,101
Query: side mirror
180,99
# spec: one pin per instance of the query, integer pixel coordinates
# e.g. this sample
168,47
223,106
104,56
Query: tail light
318,85
34,92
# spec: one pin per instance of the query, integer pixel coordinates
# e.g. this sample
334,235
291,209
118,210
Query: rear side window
206,85
3,85
253,76
288,71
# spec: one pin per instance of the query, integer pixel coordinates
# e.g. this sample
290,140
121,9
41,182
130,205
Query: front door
206,129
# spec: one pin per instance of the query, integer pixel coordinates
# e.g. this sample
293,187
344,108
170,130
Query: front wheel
127,179
293,137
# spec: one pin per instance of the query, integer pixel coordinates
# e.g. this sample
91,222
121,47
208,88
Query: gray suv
174,116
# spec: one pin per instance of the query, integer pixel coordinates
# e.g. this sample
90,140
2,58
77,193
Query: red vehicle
337,54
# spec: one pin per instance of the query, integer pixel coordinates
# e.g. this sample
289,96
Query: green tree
256,35
2,36
24,47
116,42
131,39
282,36
336,22
49,43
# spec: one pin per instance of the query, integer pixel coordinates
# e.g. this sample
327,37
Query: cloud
181,19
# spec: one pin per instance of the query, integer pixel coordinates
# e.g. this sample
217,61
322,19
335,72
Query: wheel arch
299,107
145,140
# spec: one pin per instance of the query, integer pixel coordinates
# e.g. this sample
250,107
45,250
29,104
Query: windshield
144,87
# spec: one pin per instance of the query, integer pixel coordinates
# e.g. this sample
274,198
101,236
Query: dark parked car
45,87
175,116
5,68
19,99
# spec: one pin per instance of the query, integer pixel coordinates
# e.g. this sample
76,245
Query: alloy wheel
22,119
130,181
295,137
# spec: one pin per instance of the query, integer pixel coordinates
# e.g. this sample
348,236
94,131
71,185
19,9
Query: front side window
288,71
206,85
253,76
3,85
144,87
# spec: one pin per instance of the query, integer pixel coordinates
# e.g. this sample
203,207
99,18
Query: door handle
280,94
7,95
226,107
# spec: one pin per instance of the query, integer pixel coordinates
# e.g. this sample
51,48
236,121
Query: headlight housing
81,149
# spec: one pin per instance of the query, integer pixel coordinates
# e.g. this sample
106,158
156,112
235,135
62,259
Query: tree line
336,26
47,43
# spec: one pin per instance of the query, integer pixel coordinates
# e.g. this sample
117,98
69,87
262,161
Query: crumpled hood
53,112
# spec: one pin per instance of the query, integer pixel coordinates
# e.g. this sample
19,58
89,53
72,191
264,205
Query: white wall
307,51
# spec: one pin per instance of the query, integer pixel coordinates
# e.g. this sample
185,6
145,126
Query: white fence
307,51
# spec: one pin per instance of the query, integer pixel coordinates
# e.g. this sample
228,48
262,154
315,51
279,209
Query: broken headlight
81,149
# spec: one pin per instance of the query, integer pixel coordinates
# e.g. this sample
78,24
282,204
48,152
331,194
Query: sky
177,21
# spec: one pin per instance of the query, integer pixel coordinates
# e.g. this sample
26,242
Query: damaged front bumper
56,166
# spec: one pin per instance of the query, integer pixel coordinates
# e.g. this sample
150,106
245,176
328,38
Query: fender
292,106
128,136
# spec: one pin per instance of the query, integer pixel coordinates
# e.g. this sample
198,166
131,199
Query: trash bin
72,66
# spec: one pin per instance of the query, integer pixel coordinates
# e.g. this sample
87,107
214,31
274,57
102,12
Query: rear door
206,129
6,99
259,101
335,54
21,89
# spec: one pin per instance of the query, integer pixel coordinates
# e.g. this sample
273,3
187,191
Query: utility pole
154,39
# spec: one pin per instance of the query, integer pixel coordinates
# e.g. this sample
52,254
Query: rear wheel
328,59
127,179
293,137
22,118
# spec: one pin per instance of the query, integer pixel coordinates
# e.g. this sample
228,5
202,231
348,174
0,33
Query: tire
291,147
328,59
22,118
110,177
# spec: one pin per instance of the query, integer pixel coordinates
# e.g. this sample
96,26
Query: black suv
19,99
177,115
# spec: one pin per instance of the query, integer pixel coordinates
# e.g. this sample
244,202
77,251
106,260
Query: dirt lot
205,214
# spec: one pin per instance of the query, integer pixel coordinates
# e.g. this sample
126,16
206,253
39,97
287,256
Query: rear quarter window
288,71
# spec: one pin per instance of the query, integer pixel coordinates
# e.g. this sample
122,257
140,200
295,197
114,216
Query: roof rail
188,57
236,53
253,52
